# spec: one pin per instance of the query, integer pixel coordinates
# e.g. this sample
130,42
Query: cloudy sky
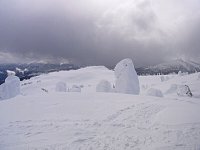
99,32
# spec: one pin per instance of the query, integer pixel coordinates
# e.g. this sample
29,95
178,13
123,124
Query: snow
154,92
126,78
75,88
61,87
104,86
177,115
10,88
98,120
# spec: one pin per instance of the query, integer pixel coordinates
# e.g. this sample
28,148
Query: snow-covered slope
41,118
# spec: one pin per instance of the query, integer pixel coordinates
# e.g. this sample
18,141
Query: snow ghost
75,88
154,92
103,86
126,78
61,87
11,87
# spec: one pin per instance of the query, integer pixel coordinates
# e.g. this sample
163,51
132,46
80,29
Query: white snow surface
126,78
88,120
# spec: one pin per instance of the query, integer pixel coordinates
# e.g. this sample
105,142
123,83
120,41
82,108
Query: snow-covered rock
75,88
103,86
154,92
61,87
10,88
126,78
184,90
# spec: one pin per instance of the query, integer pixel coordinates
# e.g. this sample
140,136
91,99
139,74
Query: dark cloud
93,33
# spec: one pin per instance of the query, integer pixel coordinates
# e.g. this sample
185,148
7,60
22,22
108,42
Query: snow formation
103,86
61,87
75,88
154,92
10,88
126,78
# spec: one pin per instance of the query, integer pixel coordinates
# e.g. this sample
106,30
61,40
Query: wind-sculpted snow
10,88
126,78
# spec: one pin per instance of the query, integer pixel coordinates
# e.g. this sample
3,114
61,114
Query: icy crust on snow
10,88
126,78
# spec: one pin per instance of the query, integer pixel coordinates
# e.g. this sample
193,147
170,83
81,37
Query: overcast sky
99,32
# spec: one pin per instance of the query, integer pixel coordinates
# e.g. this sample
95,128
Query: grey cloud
81,31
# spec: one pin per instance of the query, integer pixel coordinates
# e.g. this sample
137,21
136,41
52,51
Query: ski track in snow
116,132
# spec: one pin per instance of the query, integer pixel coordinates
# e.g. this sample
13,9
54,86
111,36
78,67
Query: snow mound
172,89
126,78
154,92
103,86
75,88
61,87
10,88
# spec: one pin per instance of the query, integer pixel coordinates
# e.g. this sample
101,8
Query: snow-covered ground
43,118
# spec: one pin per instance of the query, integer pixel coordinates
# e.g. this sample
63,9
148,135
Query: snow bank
10,88
61,87
154,92
126,78
103,86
